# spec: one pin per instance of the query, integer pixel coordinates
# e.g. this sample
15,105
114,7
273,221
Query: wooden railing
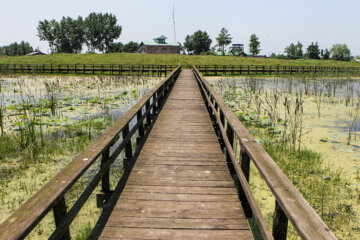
218,70
290,204
109,69
104,149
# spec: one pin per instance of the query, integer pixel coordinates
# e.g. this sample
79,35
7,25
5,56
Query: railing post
245,167
104,195
128,147
148,116
59,213
280,223
105,182
141,127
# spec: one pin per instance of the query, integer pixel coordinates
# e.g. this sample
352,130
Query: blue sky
277,23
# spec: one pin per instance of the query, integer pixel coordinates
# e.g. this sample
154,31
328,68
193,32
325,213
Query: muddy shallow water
325,130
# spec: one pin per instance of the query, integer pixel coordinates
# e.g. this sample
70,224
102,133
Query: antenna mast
174,20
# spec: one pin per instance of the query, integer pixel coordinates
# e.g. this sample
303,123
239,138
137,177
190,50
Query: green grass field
138,59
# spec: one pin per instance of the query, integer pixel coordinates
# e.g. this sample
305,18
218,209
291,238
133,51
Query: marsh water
60,109
330,112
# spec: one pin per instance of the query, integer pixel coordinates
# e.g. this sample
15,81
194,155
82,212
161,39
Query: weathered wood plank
179,223
149,233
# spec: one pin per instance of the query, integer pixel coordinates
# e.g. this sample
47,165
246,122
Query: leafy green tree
131,47
15,49
115,47
299,51
223,39
197,43
70,35
254,46
47,31
101,30
294,51
290,50
326,54
340,52
313,51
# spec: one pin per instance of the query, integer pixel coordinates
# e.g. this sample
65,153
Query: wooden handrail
289,201
24,219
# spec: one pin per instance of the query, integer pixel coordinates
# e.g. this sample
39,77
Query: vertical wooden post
148,116
59,213
105,182
245,167
280,223
128,147
141,127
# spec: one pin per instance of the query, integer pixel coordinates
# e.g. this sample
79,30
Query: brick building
159,46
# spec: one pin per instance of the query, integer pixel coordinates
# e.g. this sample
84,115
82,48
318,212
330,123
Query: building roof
153,43
160,37
35,53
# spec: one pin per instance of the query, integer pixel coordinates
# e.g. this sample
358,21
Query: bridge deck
180,186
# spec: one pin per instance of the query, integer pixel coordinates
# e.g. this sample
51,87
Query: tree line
15,49
97,31
200,42
339,52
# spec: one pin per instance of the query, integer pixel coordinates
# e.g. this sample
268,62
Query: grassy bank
132,58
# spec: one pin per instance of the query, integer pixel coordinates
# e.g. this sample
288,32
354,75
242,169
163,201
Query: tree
294,51
299,51
197,43
290,50
326,54
313,51
223,39
340,52
254,46
70,35
47,32
116,47
100,31
131,47
15,48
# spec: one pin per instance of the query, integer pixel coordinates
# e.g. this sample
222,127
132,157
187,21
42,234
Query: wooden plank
185,190
130,195
179,223
149,233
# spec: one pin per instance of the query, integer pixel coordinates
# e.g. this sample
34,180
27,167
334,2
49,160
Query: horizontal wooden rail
51,196
216,70
110,69
290,204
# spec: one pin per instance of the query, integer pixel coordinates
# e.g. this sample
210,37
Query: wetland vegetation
310,127
45,122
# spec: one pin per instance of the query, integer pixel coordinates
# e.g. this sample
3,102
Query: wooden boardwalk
180,186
